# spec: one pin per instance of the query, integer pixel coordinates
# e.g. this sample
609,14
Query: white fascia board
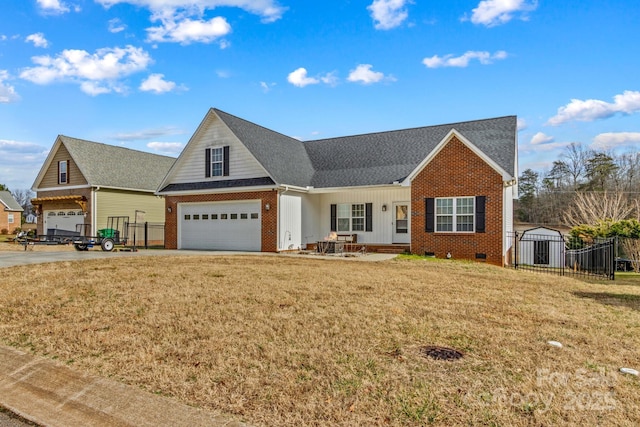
313,190
73,187
505,175
136,190
47,163
216,191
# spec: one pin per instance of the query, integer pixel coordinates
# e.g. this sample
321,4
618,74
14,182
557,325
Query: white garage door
228,226
62,220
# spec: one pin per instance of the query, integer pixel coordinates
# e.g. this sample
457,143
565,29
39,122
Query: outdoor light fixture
384,208
267,207
169,209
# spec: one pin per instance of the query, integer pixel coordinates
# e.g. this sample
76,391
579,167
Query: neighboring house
444,189
541,246
84,182
10,212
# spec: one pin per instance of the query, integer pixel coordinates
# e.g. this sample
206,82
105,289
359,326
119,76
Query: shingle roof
9,201
369,159
385,157
283,157
117,167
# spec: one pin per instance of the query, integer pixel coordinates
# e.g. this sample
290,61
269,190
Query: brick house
444,190
10,212
81,183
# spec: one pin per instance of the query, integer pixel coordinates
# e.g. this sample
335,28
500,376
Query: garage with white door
62,222
225,226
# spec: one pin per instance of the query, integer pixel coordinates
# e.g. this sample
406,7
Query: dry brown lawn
301,341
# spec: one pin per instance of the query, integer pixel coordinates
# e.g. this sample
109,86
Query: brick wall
269,218
456,171
4,220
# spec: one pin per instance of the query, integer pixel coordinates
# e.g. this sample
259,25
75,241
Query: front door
401,225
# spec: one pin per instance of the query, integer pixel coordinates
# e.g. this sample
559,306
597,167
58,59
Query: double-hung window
63,172
351,217
455,214
217,161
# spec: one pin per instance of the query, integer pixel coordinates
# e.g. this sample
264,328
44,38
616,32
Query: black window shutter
207,163
430,214
68,171
334,217
59,180
368,209
225,164
480,213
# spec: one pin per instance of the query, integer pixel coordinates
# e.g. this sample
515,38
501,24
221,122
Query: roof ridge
67,137
256,125
411,128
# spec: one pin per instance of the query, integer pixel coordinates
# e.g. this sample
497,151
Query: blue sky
143,73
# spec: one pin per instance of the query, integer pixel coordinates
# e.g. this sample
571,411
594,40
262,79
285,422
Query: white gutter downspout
94,210
280,238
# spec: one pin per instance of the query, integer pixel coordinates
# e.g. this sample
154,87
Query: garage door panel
234,226
62,219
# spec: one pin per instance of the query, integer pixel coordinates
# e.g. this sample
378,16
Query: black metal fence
145,234
548,251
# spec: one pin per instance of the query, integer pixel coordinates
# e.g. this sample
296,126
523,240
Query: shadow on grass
608,298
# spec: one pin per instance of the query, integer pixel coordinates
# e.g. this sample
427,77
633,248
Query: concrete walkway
50,394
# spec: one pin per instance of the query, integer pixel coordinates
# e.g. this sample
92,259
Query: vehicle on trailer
114,234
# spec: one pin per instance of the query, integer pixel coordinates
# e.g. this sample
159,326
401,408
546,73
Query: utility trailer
114,234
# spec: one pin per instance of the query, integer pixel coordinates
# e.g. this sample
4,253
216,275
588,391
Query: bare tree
23,197
575,158
589,208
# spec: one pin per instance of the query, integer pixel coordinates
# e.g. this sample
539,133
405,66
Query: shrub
4,231
16,230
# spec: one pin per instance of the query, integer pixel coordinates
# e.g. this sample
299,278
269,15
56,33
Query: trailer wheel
80,247
107,245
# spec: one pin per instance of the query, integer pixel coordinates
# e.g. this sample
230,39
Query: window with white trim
10,218
63,172
351,217
217,161
455,214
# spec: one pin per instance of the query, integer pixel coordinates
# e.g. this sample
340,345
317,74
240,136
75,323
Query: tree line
583,186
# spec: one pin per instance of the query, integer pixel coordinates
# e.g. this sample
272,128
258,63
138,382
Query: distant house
83,183
542,246
10,212
445,189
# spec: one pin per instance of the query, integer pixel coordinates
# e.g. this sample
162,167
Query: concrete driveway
13,258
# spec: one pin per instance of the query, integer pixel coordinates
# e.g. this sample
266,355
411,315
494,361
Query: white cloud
610,140
179,29
116,26
147,134
330,79
496,12
363,74
53,6
268,10
522,124
166,147
96,73
541,138
483,57
38,40
593,109
7,92
156,83
299,78
266,87
388,14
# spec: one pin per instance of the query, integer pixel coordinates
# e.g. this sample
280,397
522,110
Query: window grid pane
217,155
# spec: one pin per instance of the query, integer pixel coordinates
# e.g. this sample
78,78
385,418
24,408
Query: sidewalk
50,394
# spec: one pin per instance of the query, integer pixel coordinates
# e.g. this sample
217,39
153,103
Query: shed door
223,226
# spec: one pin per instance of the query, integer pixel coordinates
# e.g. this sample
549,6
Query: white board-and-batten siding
382,221
214,133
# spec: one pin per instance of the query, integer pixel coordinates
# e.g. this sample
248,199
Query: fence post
146,235
515,250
